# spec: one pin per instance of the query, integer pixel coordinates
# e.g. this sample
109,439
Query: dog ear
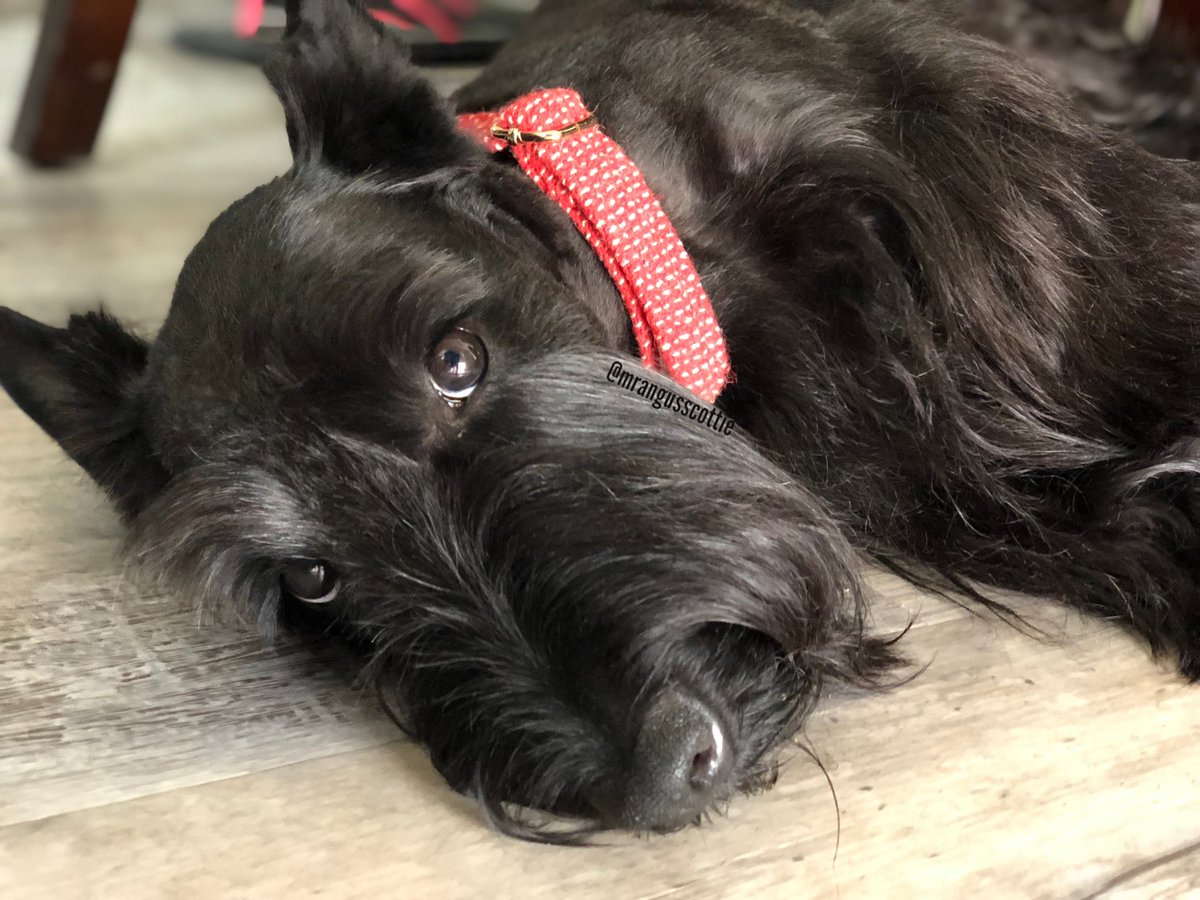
354,101
82,385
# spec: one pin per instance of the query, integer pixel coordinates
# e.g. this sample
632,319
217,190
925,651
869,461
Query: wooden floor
144,755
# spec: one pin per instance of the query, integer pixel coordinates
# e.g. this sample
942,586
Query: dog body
959,313
962,322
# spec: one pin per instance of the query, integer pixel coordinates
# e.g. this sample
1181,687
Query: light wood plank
976,780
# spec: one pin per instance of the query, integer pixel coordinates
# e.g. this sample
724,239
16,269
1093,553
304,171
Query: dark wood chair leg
1181,20
73,71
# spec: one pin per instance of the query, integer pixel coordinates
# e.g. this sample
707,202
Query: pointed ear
82,385
354,101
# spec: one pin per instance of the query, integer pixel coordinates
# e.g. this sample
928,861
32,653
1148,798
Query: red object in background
443,18
433,14
247,17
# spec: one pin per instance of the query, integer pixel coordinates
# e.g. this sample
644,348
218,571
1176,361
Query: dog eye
457,365
310,580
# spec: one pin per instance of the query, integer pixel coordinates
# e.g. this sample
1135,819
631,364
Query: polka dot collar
558,144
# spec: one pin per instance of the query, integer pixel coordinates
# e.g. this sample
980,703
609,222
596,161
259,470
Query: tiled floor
144,755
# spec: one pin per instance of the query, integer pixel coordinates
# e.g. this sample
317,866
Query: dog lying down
400,397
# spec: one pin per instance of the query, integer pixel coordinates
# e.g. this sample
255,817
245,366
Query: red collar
556,141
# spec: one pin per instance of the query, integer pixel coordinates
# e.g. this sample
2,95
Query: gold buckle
517,136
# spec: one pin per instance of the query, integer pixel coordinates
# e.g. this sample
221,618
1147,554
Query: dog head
379,405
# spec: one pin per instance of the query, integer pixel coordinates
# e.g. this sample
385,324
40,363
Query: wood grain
143,755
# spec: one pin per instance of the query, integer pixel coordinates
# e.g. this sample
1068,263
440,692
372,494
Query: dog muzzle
558,143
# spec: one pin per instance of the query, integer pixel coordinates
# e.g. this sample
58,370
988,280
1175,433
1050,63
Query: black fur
963,321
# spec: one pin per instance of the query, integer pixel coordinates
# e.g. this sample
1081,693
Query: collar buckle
517,136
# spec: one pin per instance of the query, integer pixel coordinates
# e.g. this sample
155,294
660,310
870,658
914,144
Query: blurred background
186,131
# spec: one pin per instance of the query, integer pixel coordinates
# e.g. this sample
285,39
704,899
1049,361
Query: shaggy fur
963,321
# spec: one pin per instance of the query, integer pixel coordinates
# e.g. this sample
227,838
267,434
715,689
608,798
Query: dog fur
963,321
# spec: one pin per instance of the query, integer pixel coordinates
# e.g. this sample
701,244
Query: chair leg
73,71
1182,17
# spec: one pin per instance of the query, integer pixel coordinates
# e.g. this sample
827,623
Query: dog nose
680,764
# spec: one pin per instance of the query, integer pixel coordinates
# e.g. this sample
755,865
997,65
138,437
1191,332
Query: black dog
964,327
